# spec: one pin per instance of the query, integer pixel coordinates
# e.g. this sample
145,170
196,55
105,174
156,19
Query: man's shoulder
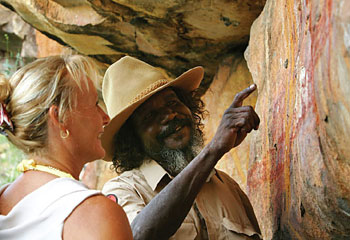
127,182
129,187
224,177
228,181
125,177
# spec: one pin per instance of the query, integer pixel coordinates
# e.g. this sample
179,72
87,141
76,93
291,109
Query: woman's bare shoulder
97,218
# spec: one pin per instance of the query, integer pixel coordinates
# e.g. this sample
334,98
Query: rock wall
20,43
17,42
47,46
231,77
174,35
299,171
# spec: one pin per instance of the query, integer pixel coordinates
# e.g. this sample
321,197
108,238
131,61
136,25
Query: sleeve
249,210
126,196
244,199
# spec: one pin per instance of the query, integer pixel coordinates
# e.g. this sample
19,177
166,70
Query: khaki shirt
226,209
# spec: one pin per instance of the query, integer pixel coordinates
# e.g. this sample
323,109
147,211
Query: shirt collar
153,173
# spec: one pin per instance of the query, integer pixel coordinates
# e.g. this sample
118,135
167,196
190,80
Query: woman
49,109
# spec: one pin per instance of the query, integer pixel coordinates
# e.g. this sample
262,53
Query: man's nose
168,115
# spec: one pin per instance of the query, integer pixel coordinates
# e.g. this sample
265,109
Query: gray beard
175,160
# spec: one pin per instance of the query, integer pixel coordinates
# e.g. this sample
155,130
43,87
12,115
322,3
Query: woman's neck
60,163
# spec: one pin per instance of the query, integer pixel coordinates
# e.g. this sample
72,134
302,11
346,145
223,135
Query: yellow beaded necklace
31,165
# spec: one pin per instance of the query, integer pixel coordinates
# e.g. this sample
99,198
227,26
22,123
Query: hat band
149,89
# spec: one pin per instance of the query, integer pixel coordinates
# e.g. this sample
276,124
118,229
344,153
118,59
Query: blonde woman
49,109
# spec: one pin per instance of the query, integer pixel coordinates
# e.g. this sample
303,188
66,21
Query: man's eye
172,103
148,116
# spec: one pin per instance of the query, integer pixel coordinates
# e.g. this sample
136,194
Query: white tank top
41,214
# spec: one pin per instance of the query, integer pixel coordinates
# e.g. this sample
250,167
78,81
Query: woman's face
85,124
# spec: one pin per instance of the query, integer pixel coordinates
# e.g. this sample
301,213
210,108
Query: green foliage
10,156
12,59
11,67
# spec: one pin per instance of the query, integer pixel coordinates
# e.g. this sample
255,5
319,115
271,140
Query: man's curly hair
129,152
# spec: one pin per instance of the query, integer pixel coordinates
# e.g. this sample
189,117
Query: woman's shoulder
97,217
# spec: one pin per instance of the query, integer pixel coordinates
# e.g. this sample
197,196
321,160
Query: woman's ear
53,115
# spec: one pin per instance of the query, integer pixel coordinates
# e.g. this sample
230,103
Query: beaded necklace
30,164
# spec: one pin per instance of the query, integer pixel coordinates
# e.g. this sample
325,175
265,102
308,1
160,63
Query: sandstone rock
47,46
97,173
175,35
299,172
232,77
17,42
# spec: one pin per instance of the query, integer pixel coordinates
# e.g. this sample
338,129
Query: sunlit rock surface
232,77
17,42
175,35
299,173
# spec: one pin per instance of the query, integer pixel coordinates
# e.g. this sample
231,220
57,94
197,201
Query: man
168,187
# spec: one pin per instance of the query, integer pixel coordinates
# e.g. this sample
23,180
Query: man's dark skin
161,218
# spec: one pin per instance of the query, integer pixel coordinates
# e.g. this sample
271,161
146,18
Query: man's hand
236,123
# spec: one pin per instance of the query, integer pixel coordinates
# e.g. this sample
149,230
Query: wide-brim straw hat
128,83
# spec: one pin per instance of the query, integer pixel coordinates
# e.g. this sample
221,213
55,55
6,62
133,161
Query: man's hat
128,83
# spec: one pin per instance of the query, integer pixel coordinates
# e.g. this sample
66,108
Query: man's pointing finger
238,100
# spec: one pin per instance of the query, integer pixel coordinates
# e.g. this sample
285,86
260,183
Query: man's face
165,127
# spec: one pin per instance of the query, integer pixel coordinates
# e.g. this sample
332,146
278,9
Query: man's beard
175,160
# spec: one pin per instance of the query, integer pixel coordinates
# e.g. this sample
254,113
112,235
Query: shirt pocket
237,231
187,231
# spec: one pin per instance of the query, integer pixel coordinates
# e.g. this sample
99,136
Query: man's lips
178,128
174,126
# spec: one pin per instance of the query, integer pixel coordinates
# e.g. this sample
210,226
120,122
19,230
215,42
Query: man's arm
161,218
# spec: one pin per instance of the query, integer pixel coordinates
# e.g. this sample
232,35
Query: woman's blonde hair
30,92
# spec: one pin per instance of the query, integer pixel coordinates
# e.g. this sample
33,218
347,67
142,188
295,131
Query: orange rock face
299,171
174,35
232,76
47,46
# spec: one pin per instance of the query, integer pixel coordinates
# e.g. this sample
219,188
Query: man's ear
53,115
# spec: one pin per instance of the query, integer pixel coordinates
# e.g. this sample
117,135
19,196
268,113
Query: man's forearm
161,218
